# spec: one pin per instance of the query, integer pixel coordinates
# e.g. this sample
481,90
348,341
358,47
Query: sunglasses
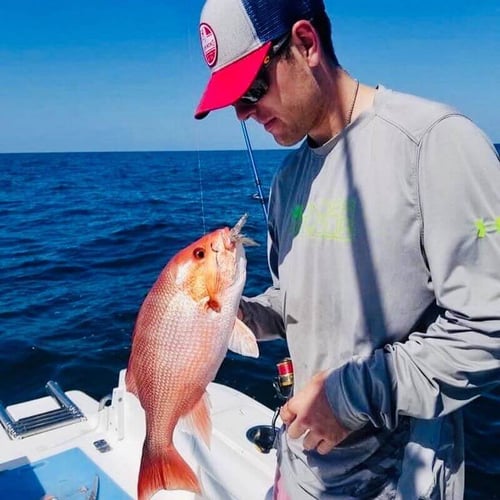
260,85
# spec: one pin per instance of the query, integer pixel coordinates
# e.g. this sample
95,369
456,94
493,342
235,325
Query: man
384,247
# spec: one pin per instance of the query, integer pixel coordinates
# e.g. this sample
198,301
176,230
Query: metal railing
66,414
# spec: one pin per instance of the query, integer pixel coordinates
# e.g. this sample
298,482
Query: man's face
292,106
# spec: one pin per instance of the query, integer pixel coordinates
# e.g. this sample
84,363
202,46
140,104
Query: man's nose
243,111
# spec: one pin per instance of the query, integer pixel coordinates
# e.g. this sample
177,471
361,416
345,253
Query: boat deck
65,462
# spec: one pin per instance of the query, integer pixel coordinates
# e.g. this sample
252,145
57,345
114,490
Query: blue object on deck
69,475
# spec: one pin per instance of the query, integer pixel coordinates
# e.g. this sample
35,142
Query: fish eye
199,253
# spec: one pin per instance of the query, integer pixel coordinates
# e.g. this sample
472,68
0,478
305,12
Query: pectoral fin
243,340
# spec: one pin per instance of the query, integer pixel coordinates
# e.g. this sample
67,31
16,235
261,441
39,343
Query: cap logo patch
208,44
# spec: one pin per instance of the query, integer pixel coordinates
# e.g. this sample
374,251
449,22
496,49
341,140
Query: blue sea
83,236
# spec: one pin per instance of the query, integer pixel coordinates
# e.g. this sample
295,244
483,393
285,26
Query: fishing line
202,193
191,51
255,172
256,177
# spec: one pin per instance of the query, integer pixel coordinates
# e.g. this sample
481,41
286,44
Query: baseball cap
236,36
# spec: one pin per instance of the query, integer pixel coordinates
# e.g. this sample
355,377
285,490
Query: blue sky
124,75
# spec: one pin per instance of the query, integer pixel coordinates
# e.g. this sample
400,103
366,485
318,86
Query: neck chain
349,118
312,143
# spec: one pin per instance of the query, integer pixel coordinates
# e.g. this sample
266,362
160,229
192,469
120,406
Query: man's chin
287,141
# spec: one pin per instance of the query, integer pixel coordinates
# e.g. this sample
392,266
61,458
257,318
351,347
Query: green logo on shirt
490,226
325,219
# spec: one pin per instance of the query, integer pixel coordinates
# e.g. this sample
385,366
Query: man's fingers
295,430
311,440
287,416
324,447
309,410
314,441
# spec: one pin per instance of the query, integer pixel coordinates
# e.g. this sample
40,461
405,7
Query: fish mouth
235,235
235,232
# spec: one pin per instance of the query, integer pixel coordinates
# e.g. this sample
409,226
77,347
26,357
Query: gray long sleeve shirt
385,253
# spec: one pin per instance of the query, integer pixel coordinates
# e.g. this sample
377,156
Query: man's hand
309,412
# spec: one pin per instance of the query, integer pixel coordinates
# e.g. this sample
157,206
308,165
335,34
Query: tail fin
167,471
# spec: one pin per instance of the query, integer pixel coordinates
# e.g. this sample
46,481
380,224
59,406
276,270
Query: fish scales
183,330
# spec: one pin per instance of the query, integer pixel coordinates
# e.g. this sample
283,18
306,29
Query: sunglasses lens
260,85
256,92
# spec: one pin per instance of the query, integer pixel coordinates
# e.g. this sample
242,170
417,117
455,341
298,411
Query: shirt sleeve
263,313
437,371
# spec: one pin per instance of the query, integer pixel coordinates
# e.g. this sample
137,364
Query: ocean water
83,236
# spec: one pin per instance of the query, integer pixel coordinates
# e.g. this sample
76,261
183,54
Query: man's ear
306,39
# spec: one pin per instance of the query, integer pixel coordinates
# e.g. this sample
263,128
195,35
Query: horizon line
277,148
142,151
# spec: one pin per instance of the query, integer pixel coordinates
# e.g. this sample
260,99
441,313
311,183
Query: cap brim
229,83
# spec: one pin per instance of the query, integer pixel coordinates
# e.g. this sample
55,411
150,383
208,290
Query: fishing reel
264,436
283,384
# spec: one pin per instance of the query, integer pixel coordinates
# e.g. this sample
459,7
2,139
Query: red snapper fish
185,325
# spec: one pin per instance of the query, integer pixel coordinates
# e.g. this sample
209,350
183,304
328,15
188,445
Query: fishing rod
254,169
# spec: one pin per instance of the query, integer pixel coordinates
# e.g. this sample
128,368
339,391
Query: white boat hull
232,468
